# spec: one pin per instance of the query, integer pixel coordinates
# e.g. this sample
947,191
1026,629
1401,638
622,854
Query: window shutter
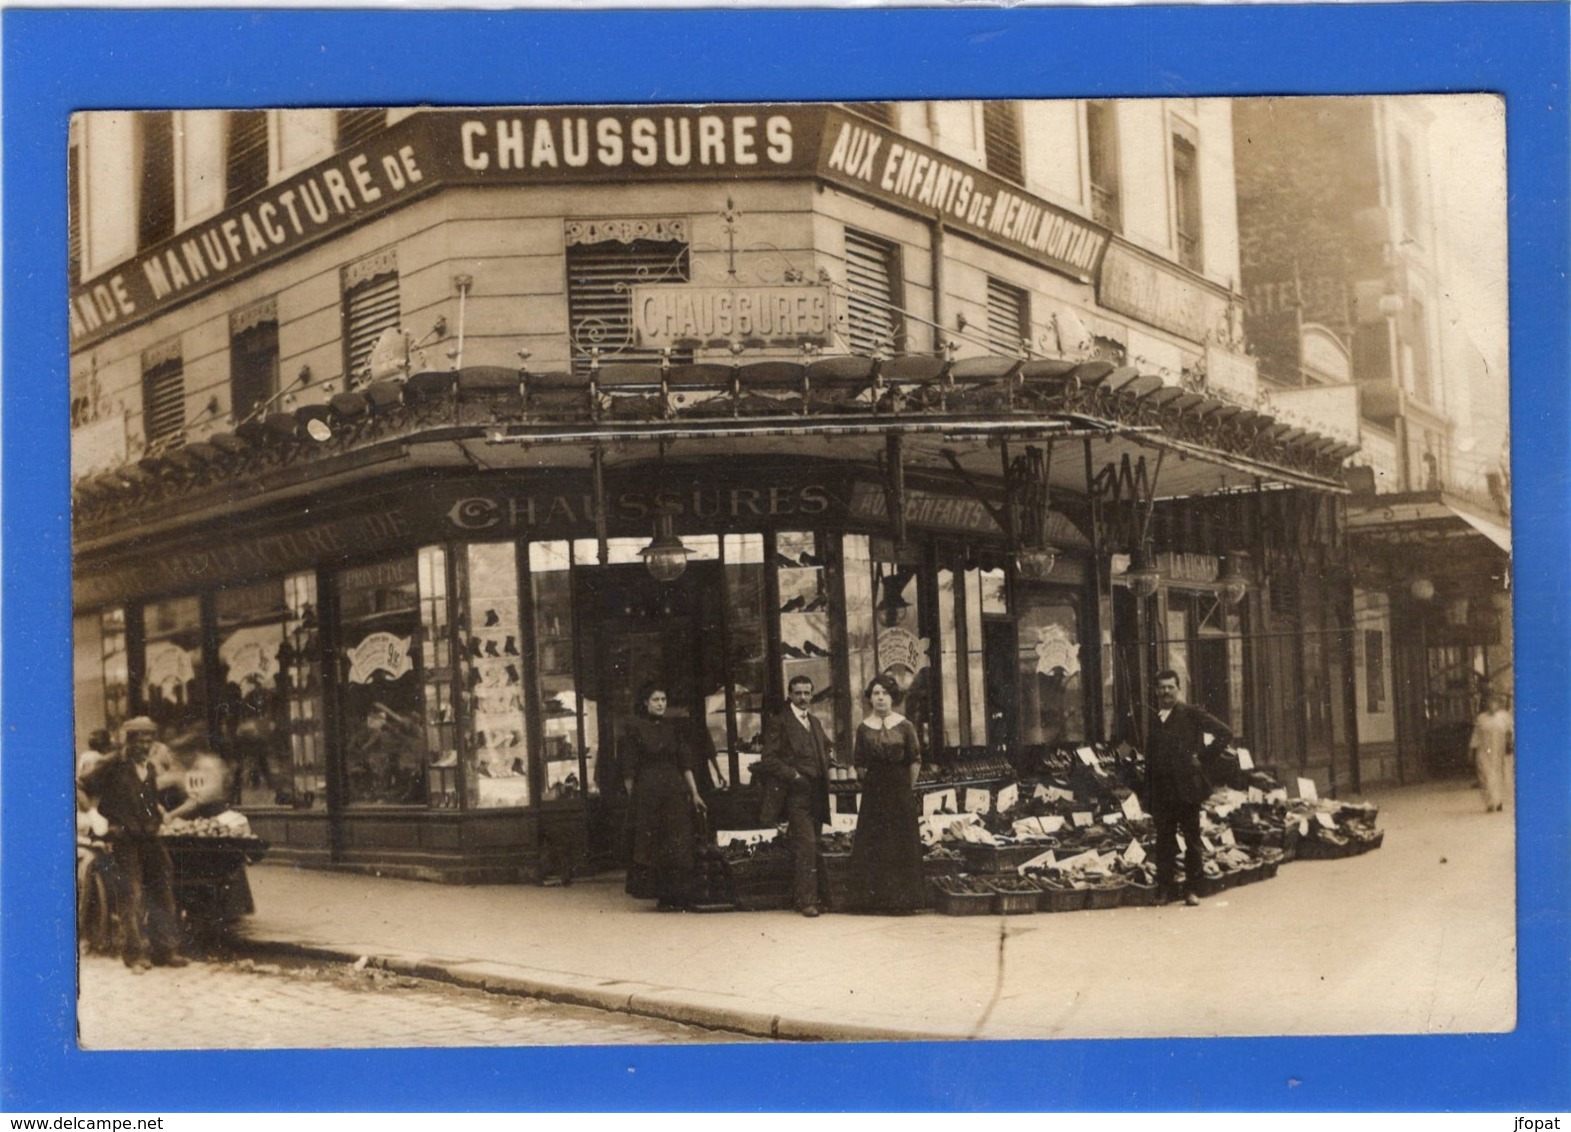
1102,147
1008,317
354,126
872,280
370,307
163,402
74,214
1001,140
156,202
881,112
253,357
1186,185
599,304
245,163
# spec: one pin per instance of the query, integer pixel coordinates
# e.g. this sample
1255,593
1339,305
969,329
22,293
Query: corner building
407,445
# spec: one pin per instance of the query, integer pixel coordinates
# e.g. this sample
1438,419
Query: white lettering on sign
668,313
380,652
606,142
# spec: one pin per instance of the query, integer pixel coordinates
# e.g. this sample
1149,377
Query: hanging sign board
681,314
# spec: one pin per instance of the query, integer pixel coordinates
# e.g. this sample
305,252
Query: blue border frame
59,61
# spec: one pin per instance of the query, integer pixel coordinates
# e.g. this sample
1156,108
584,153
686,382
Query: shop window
747,643
874,294
382,682
355,126
995,592
861,664
156,200
1374,671
1008,318
1102,159
73,174
252,711
963,695
370,306
245,155
163,397
1001,140
117,679
600,272
571,723
496,770
173,677
302,674
898,646
1052,681
436,675
253,358
1186,197
804,618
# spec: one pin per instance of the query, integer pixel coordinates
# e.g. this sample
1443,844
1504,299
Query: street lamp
665,557
1143,575
1234,583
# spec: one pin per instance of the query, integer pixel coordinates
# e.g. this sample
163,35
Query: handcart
209,880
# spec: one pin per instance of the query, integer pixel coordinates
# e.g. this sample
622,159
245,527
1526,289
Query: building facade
408,445
1349,275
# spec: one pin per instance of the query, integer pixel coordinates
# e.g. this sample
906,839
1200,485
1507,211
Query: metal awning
1436,513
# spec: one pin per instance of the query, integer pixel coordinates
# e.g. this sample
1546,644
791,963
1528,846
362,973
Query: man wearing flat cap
126,785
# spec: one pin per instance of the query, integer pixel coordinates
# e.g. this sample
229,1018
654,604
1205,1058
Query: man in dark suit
126,785
1179,760
794,771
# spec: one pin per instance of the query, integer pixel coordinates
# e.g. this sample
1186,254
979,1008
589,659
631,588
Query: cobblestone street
245,1005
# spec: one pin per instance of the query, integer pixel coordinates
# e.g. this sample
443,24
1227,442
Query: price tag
1277,795
1246,761
1306,790
1131,808
1228,838
1052,823
1205,844
933,803
1041,792
1086,755
1083,818
1041,861
842,823
1303,827
1255,795
1325,819
1059,794
1007,797
978,801
1135,853
750,836
1029,828
1112,819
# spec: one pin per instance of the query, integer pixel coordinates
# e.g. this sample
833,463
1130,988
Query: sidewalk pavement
1416,937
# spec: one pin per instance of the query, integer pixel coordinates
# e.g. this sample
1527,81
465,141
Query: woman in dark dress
886,853
658,764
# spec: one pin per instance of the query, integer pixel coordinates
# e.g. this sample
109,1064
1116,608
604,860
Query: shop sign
380,652
670,313
250,657
893,168
1232,377
1160,295
495,514
1187,567
1330,410
955,513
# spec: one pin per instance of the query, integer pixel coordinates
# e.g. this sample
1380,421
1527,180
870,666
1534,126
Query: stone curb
669,1004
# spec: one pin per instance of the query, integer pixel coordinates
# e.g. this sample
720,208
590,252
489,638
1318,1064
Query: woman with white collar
886,854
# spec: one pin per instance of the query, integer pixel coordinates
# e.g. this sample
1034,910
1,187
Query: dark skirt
664,835
886,853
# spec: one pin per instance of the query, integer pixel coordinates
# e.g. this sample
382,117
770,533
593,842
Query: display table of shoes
493,683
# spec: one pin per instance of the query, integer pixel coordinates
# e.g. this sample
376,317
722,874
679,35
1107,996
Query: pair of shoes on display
1191,900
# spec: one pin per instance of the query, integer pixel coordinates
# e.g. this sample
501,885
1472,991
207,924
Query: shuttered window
163,400
881,112
354,126
1001,140
73,173
156,200
1102,146
1008,317
1186,193
253,358
599,302
873,299
370,307
245,158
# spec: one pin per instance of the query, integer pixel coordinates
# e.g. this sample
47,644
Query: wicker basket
1055,899
949,903
1207,885
1012,903
1268,868
761,884
999,858
1104,897
834,872
1138,896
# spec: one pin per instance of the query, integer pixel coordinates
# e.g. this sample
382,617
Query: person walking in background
1178,759
659,765
1494,755
886,852
126,785
794,772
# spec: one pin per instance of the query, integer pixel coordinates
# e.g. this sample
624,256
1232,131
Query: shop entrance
634,630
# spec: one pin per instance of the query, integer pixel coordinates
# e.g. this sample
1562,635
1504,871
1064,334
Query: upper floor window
253,357
245,155
73,177
874,293
354,126
370,288
1186,199
1001,140
605,258
1407,185
163,395
1102,160
1008,317
881,112
156,198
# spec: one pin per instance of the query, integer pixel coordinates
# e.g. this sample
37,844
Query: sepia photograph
861,571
